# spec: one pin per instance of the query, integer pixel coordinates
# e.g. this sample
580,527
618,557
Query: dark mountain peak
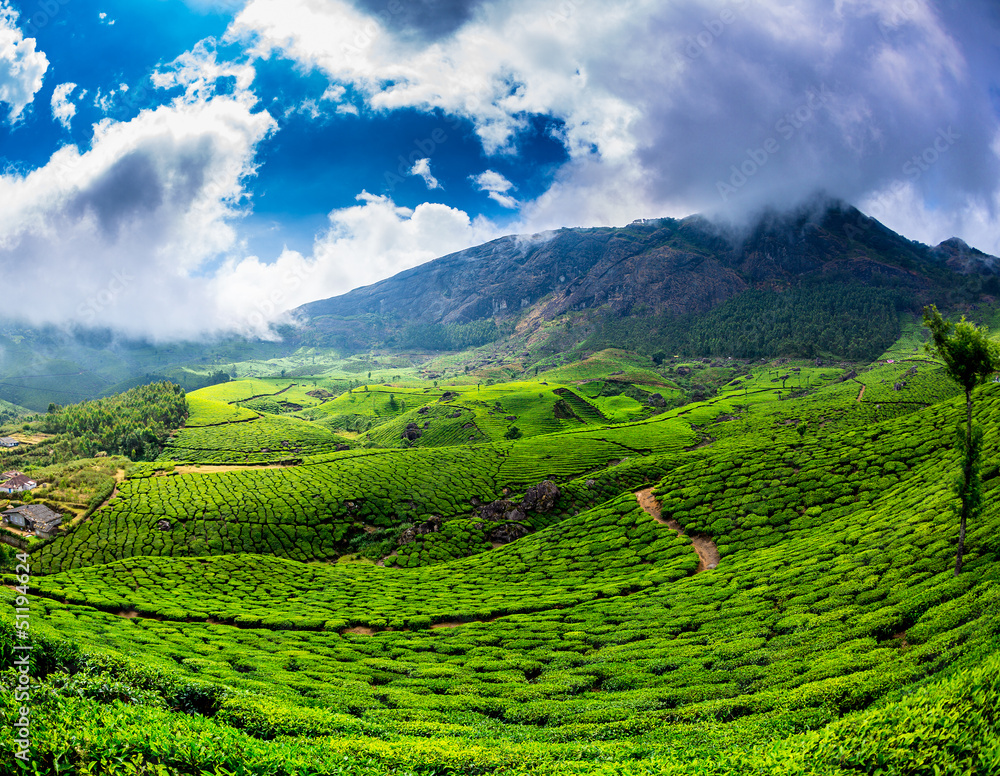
657,265
960,257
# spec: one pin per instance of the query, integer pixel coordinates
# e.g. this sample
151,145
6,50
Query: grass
832,638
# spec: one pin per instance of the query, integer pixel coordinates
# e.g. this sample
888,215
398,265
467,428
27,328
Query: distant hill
662,268
683,266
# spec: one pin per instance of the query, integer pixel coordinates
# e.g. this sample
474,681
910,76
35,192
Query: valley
613,566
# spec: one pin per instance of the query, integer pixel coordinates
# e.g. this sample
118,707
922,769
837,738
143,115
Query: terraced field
832,637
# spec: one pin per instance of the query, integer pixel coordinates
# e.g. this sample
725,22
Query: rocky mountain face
679,266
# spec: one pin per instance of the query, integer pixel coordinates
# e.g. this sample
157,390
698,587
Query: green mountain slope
221,621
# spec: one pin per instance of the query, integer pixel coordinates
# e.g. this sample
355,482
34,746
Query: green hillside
760,582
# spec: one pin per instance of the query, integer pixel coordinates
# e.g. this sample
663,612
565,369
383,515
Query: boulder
164,525
656,400
423,410
412,432
496,510
541,498
507,533
433,525
683,371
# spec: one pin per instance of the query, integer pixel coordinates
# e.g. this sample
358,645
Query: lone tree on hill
970,357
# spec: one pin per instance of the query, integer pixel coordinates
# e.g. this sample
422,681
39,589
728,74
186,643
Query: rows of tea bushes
947,727
203,411
589,646
756,494
606,551
822,624
436,425
834,406
266,439
303,512
308,512
466,413
244,390
456,539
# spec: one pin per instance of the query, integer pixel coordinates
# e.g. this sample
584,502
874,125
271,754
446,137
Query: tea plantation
469,601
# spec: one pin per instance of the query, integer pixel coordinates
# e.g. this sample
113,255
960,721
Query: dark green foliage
831,639
853,322
970,357
448,336
135,423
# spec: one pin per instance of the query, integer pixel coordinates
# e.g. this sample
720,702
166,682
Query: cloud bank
720,107
714,106
22,67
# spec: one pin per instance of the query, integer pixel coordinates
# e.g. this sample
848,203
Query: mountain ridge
682,266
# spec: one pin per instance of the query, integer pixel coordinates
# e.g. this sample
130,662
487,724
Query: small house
8,442
18,484
36,518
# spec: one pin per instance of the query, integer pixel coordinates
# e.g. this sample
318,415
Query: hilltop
662,269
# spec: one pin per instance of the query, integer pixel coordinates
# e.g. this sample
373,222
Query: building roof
8,441
20,481
37,514
8,475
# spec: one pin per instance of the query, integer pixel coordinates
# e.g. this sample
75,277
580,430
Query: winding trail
708,553
861,393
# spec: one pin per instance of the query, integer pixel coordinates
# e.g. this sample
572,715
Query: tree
970,357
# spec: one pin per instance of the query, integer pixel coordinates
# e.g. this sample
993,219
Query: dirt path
708,553
861,393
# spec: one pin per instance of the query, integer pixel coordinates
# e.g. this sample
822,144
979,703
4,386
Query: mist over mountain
672,266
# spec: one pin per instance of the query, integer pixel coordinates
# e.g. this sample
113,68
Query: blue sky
311,165
175,167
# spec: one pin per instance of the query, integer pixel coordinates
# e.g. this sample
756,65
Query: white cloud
104,102
365,243
496,186
63,110
124,234
198,71
656,103
333,93
105,20
22,67
422,167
